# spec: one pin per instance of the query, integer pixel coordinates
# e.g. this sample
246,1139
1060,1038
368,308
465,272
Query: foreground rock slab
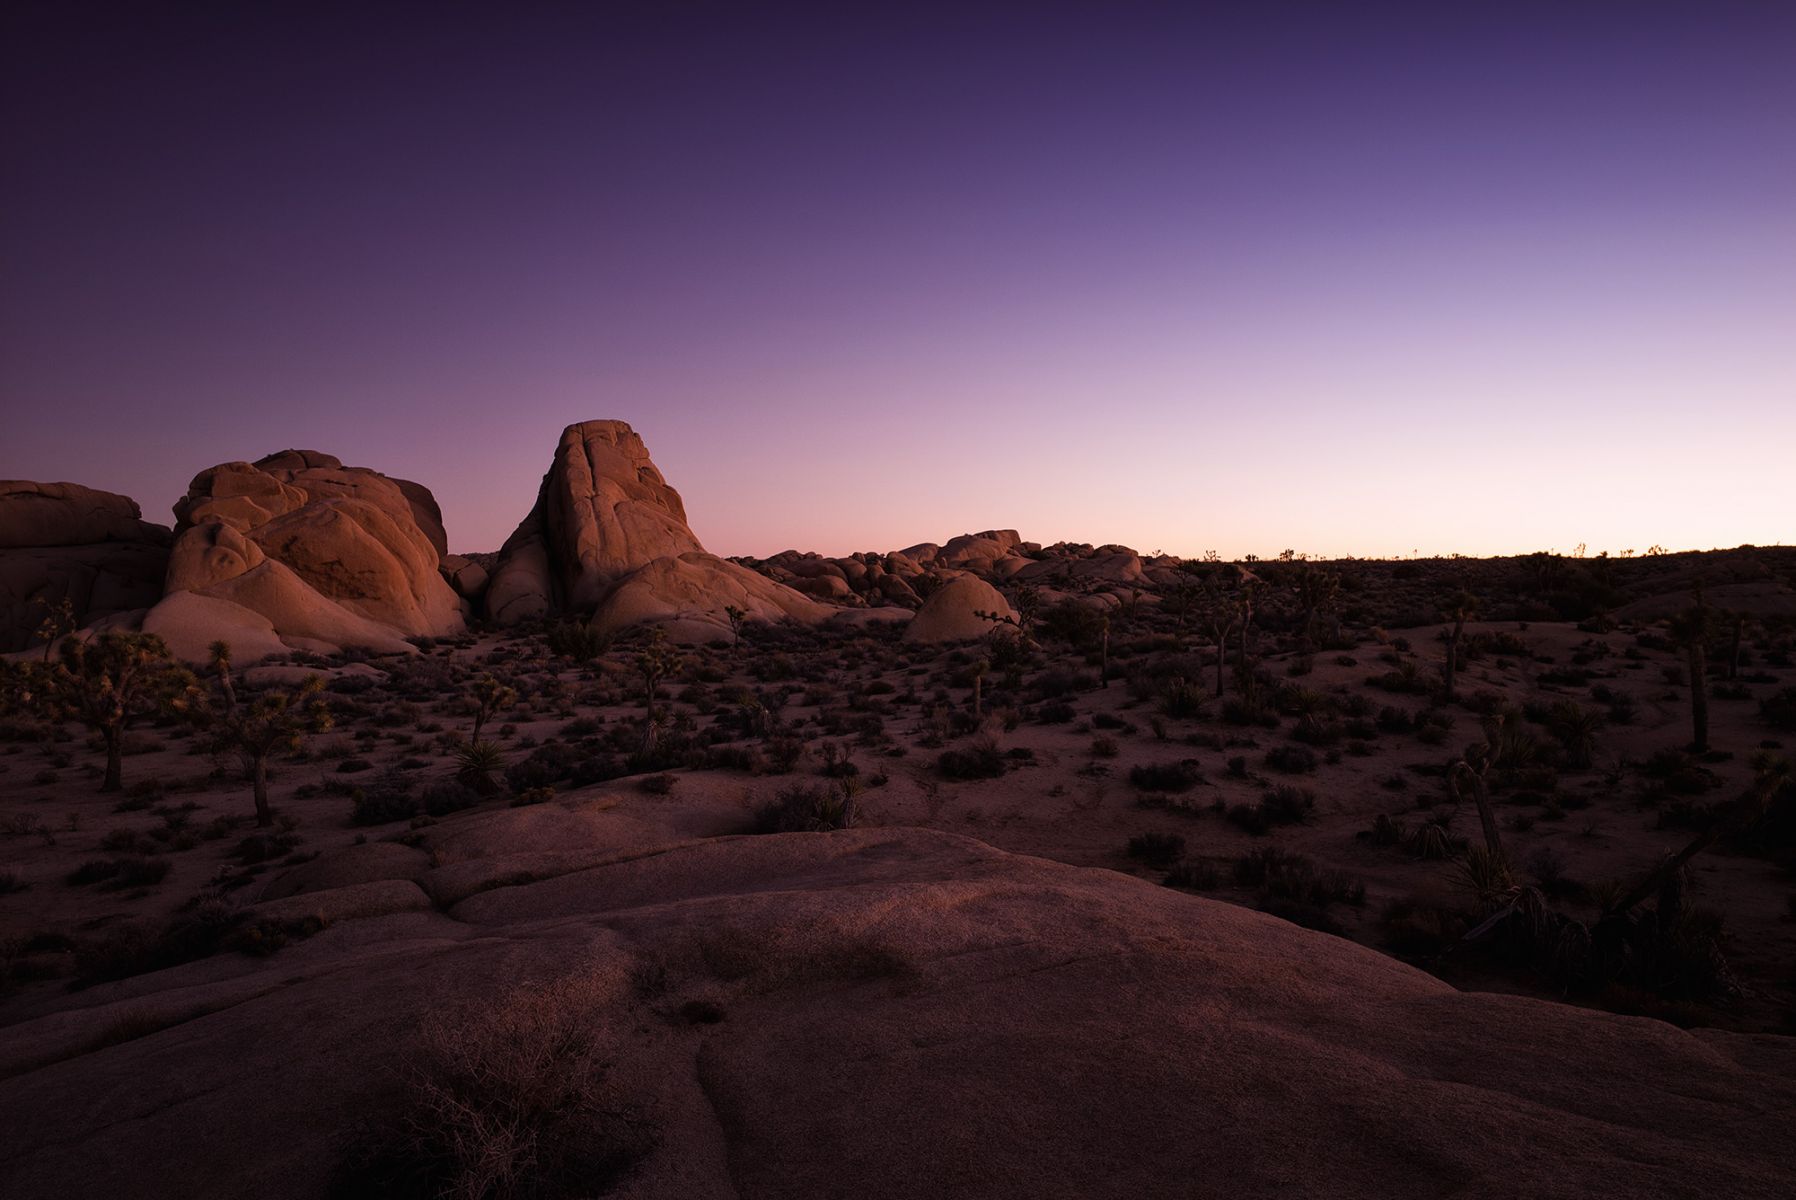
899,1013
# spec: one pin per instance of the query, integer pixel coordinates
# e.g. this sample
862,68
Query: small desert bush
1281,875
1166,777
580,642
806,808
1199,875
447,796
387,798
978,759
1283,805
504,1102
1156,849
1293,760
1779,710
119,874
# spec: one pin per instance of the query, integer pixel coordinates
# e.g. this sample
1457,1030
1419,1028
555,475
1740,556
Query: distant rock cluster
296,551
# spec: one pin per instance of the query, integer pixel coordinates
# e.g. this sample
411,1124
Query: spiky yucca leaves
271,722
475,764
1431,841
106,683
1576,728
1487,875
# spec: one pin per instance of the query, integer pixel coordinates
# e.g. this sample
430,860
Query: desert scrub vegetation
1281,805
807,808
503,1102
980,758
1179,776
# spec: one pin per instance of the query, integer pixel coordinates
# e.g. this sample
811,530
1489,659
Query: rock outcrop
903,1013
951,614
62,541
687,596
608,537
603,510
316,555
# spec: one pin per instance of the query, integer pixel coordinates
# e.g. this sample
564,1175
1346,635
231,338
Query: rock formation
62,541
903,1013
602,511
687,595
306,553
608,537
951,613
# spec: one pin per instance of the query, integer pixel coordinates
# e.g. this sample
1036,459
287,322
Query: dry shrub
507,1102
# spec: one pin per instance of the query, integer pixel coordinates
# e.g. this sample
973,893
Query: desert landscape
844,868
932,602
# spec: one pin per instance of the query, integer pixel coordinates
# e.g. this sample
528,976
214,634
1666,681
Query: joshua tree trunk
1699,698
978,695
1747,810
1487,816
115,750
1453,655
1733,656
259,776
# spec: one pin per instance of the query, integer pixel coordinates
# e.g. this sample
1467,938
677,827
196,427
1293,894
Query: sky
1350,279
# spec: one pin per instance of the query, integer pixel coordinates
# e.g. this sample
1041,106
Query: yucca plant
1488,876
475,764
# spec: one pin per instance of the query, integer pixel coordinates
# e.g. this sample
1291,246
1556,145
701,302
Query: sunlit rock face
319,555
608,536
951,614
64,542
603,511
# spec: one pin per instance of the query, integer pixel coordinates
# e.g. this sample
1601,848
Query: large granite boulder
951,614
687,597
62,541
608,537
603,510
322,555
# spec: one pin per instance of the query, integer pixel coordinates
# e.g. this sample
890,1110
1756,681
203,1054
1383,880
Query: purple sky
1341,278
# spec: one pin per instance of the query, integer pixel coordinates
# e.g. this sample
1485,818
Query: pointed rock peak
603,511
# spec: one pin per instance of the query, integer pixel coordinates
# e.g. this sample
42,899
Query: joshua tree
979,669
1772,776
1317,589
655,662
1690,629
736,616
1027,603
1181,598
1250,585
58,622
106,682
1469,774
1104,650
490,697
1219,612
273,722
1458,609
1738,635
